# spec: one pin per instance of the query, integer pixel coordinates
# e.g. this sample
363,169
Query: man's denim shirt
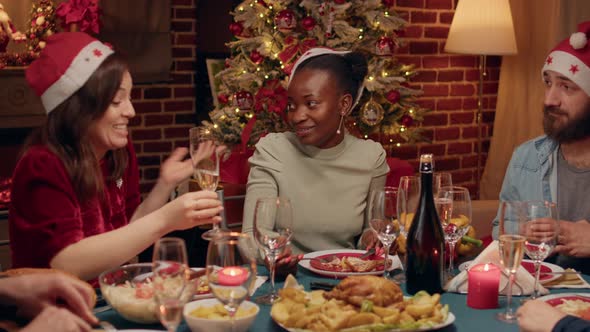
531,174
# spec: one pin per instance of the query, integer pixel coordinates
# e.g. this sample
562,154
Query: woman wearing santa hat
75,196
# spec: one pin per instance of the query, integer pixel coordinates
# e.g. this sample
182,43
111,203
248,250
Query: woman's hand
538,316
286,263
574,238
192,209
34,293
176,168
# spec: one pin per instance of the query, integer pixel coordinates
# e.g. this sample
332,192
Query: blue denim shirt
531,176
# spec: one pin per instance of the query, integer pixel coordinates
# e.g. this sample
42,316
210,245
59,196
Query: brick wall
450,82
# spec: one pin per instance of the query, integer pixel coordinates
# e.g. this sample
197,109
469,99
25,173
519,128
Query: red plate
545,270
317,264
559,300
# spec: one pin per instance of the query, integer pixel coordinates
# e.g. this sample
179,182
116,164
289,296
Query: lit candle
483,282
232,276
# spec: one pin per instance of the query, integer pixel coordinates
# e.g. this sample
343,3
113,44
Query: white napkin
259,281
524,282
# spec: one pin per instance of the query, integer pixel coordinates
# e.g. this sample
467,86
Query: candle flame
486,267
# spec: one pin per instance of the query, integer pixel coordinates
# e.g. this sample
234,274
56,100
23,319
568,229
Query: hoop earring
340,125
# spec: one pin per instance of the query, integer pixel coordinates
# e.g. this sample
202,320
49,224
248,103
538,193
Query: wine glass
384,220
541,232
273,228
231,269
407,203
453,205
441,179
170,280
205,159
513,216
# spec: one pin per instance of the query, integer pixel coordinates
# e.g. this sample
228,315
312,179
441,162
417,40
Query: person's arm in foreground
37,296
539,316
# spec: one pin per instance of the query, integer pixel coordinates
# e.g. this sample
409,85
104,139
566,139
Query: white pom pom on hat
571,58
65,64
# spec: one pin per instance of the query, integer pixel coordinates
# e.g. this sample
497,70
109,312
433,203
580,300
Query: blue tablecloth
467,319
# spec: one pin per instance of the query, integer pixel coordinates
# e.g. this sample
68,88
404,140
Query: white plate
396,263
142,277
450,319
528,263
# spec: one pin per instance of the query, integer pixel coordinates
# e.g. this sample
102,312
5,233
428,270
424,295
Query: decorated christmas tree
42,25
270,35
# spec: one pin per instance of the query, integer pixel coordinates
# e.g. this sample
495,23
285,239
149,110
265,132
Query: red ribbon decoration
295,47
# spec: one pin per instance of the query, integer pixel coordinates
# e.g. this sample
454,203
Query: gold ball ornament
372,113
49,32
40,20
42,44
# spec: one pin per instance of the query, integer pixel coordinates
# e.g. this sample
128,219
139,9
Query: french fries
310,311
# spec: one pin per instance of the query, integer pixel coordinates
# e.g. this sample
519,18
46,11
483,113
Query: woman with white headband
325,172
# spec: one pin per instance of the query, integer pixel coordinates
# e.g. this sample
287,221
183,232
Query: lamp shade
482,27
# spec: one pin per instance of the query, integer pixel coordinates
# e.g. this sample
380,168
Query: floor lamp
481,27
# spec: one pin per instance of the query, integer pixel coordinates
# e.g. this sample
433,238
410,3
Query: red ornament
387,3
227,63
262,3
286,20
308,23
393,96
407,120
243,100
339,2
222,98
384,46
236,28
256,57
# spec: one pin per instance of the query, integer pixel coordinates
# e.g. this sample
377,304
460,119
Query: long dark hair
66,131
348,70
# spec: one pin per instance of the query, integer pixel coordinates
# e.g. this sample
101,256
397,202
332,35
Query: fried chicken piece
356,289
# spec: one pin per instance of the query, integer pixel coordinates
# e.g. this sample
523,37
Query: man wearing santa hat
556,166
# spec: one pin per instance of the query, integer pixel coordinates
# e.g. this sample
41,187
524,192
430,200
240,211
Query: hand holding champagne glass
273,228
511,245
205,156
170,281
384,220
231,269
541,233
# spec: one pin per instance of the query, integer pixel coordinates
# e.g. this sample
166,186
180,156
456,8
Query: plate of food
549,272
576,304
346,262
359,303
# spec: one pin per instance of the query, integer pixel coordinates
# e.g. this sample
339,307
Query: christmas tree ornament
243,100
308,23
236,28
393,96
372,113
339,2
384,46
406,120
222,98
256,57
286,21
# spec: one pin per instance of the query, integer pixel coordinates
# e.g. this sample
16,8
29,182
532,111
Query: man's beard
575,129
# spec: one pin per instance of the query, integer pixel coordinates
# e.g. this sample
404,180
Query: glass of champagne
441,180
453,205
541,229
205,157
511,247
384,220
407,203
273,228
170,280
231,269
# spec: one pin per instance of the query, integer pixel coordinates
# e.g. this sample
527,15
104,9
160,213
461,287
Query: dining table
466,318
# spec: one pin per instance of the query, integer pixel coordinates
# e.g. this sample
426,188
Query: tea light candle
232,276
483,281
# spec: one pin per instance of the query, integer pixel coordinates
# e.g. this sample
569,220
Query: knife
369,252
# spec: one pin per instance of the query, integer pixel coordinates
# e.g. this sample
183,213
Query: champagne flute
541,229
511,247
407,203
205,159
441,179
453,205
384,220
273,228
231,269
170,280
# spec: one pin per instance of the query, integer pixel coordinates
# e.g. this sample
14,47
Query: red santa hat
571,58
64,65
317,51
